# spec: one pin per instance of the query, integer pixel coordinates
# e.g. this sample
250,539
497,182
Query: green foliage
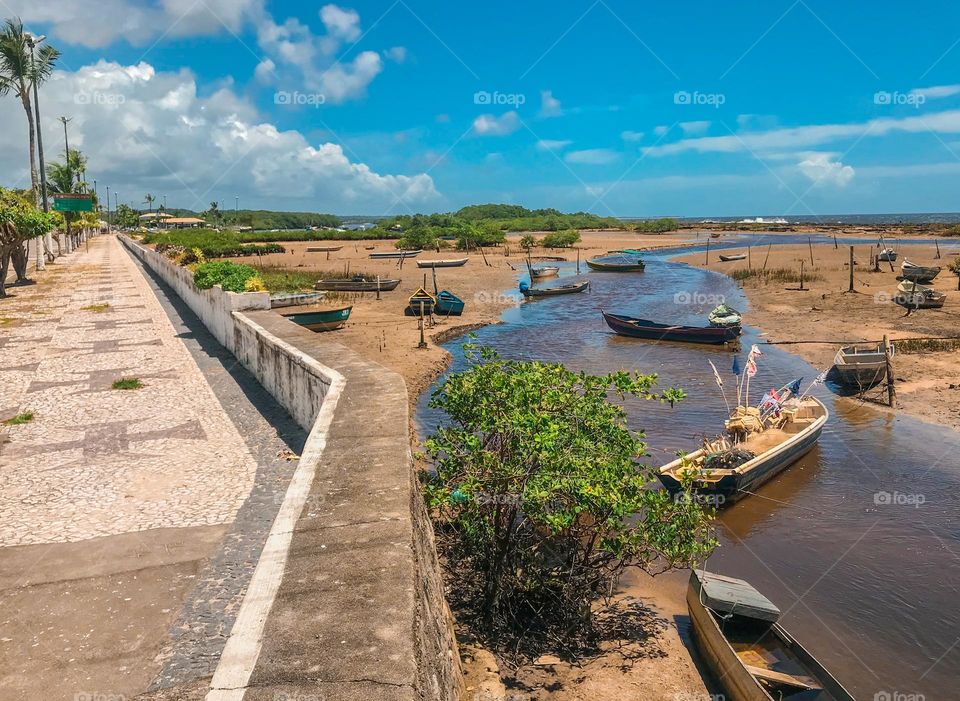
561,239
419,236
955,266
20,220
286,280
326,235
656,226
125,217
20,419
232,277
527,242
212,244
774,275
127,383
540,498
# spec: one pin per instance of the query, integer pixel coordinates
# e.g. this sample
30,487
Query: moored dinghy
651,330
737,631
570,288
732,257
724,315
321,320
918,273
544,271
449,304
421,302
624,265
447,263
856,366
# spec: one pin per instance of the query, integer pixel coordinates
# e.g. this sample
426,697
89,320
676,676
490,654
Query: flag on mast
716,374
737,370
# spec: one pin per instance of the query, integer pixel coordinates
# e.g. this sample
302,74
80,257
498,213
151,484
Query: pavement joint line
240,654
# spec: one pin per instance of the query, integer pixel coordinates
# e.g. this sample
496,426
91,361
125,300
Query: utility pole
45,243
108,209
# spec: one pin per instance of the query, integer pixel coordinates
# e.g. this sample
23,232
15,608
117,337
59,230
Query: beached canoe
759,444
421,303
860,367
738,634
732,257
448,304
397,254
909,286
887,255
568,289
327,320
928,299
323,249
624,265
724,316
651,330
357,284
918,273
449,263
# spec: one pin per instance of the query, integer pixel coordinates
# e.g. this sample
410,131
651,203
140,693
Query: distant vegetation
213,244
656,226
560,239
774,275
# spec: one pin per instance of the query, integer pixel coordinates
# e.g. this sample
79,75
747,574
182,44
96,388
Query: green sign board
73,203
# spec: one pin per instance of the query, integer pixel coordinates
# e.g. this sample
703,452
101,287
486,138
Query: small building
184,222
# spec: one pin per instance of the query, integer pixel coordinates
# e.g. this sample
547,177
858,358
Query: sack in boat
744,421
727,459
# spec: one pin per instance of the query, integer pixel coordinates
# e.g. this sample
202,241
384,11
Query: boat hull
397,254
321,321
323,249
356,286
728,259
859,369
600,266
649,330
442,263
921,300
554,291
449,304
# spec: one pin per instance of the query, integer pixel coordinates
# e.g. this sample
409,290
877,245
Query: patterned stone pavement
97,461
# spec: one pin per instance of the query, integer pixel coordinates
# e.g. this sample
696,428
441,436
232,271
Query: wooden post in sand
891,390
484,256
835,244
749,258
706,260
578,261
801,274
851,270
769,245
938,249
378,287
810,246
423,341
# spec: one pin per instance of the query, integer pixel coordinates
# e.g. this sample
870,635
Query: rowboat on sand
733,256
570,288
449,304
357,283
397,254
723,315
861,367
738,634
928,299
323,249
421,303
760,442
449,263
651,330
887,255
909,286
918,273
326,320
625,265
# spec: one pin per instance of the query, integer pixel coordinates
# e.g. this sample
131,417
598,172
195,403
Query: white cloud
631,135
661,130
936,92
593,156
694,128
549,105
149,131
340,23
823,169
397,54
490,125
553,144
265,70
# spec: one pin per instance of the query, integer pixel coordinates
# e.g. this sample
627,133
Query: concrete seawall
347,601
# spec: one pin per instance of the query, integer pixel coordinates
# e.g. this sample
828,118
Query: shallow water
870,588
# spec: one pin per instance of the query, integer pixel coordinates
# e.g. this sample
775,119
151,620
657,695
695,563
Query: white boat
918,273
397,254
887,255
908,286
448,263
860,367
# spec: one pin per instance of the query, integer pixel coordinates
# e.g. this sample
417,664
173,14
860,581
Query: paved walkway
130,520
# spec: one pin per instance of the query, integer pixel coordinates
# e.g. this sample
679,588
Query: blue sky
691,109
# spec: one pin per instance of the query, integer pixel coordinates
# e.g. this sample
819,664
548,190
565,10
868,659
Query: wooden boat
715,235
420,303
295,299
732,257
545,271
357,283
723,316
860,367
928,299
643,328
323,249
887,255
568,289
321,320
775,440
909,286
397,254
449,263
449,304
918,273
627,265
737,632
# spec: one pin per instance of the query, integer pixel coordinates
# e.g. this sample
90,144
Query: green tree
955,269
561,239
527,242
20,221
540,496
213,215
126,217
60,179
148,200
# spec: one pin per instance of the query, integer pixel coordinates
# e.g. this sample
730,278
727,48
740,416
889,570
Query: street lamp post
32,41
108,209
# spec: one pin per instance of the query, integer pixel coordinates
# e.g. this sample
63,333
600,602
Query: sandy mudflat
928,384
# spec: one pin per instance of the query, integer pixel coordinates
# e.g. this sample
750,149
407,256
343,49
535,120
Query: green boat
449,304
326,320
625,265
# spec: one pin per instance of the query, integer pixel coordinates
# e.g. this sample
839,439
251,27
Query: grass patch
213,244
20,419
127,383
926,346
284,280
773,275
6,320
96,308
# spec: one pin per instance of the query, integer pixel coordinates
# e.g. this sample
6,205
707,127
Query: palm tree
60,179
148,200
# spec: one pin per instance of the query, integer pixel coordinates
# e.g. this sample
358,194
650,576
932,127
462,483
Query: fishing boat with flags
758,443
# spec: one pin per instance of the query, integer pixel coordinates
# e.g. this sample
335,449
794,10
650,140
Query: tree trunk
19,258
32,131
4,263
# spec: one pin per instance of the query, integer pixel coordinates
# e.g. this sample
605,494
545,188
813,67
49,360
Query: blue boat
327,320
449,304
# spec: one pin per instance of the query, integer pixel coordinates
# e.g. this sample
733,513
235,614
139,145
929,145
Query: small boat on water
725,316
421,303
927,299
651,330
397,254
448,304
323,249
625,265
295,299
918,273
358,283
326,320
887,255
449,263
733,256
760,442
715,235
860,367
545,271
571,288
738,634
